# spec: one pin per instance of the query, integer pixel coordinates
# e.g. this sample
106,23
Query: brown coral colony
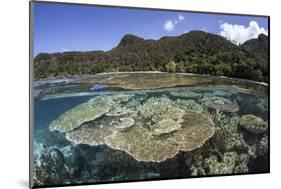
183,130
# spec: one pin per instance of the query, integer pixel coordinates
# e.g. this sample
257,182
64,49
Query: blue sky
61,27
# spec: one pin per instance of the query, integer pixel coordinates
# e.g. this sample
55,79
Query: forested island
194,52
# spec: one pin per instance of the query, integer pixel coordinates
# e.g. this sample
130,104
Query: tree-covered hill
196,52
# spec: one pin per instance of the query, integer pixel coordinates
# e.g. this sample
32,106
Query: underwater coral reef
151,133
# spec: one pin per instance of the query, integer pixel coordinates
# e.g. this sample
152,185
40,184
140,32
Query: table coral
220,104
140,142
88,111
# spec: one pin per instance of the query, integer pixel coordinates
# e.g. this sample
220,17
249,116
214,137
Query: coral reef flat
138,126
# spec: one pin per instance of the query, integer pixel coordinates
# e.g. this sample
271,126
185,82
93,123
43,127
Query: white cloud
181,18
240,33
169,26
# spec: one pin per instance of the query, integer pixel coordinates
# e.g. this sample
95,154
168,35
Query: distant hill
196,52
258,50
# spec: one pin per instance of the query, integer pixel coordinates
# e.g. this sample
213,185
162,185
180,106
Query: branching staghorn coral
155,106
230,163
189,105
50,168
164,116
262,146
226,139
222,120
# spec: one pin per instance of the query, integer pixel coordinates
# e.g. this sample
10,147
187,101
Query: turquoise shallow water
94,164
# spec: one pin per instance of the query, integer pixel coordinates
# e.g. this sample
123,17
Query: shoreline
72,77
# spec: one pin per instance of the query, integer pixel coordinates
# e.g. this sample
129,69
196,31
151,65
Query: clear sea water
95,164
